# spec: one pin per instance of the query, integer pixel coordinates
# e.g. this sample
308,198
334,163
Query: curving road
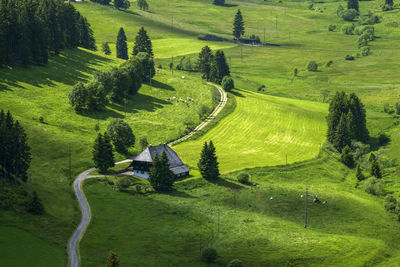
73,244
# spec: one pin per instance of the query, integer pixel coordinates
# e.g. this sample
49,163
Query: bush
365,51
397,108
235,263
348,29
143,142
383,139
123,183
362,41
349,14
339,11
96,95
329,63
121,135
78,96
349,57
374,186
387,7
243,178
209,255
346,157
228,83
35,205
312,66
359,175
390,203
203,111
332,27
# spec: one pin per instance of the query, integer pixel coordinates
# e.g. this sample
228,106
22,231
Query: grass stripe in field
261,130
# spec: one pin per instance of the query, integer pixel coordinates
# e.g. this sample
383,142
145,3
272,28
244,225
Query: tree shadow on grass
236,92
70,67
176,193
161,85
101,114
140,102
227,184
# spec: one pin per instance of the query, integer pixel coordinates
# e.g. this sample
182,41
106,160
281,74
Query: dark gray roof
175,163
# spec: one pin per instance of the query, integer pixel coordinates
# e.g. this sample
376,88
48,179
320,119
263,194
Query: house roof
175,163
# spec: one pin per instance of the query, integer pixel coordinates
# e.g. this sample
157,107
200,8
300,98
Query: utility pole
305,221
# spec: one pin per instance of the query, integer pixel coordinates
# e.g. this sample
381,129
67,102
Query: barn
141,163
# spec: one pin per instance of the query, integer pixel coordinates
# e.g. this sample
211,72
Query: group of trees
117,3
346,121
142,44
213,66
15,156
30,30
118,83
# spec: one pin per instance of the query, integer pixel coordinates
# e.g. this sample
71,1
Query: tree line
31,30
213,66
125,4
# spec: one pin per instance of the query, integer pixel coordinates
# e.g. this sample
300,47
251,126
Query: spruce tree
359,174
342,137
103,156
142,43
352,4
161,177
106,48
143,5
238,25
112,259
208,163
346,157
375,169
219,67
337,107
359,122
205,60
86,35
122,48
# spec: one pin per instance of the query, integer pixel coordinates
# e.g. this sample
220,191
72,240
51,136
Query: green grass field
261,131
288,117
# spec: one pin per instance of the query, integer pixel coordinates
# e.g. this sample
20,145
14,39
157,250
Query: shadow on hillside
68,68
130,12
161,85
102,114
182,194
227,184
236,92
140,102
230,5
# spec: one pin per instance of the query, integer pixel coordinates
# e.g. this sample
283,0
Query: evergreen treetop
121,46
352,4
142,43
161,177
205,60
208,163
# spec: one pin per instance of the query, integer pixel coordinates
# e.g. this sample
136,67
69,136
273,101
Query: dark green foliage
121,46
161,177
142,43
243,178
397,108
123,183
78,96
363,40
372,157
383,139
369,19
348,29
15,156
352,4
339,11
346,120
332,27
121,135
347,157
209,255
365,51
238,25
143,142
31,30
390,203
106,79
103,156
96,96
143,5
312,66
350,14
134,68
295,72
375,169
147,63
219,67
359,175
106,48
349,57
227,83
35,205
219,2
208,163
205,60
102,2
374,186
388,5
186,64
121,83
125,4
112,260
235,263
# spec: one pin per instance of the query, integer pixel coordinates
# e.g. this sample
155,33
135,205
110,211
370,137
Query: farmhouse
141,164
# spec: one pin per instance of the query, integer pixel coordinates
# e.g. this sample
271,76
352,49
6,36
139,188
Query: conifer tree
352,4
346,157
342,137
112,260
219,67
142,43
359,122
238,25
106,48
208,163
359,174
122,47
143,5
122,4
337,107
103,156
375,169
161,177
87,38
205,60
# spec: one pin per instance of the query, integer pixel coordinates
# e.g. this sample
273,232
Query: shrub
35,205
143,142
209,255
329,63
121,135
370,19
332,27
295,72
375,169
78,96
374,186
346,157
365,51
348,29
243,178
235,263
362,41
349,14
312,66
359,175
96,95
390,203
106,48
41,119
228,83
349,57
339,11
397,108
387,7
203,111
123,183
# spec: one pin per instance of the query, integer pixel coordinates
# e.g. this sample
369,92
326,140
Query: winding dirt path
73,244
